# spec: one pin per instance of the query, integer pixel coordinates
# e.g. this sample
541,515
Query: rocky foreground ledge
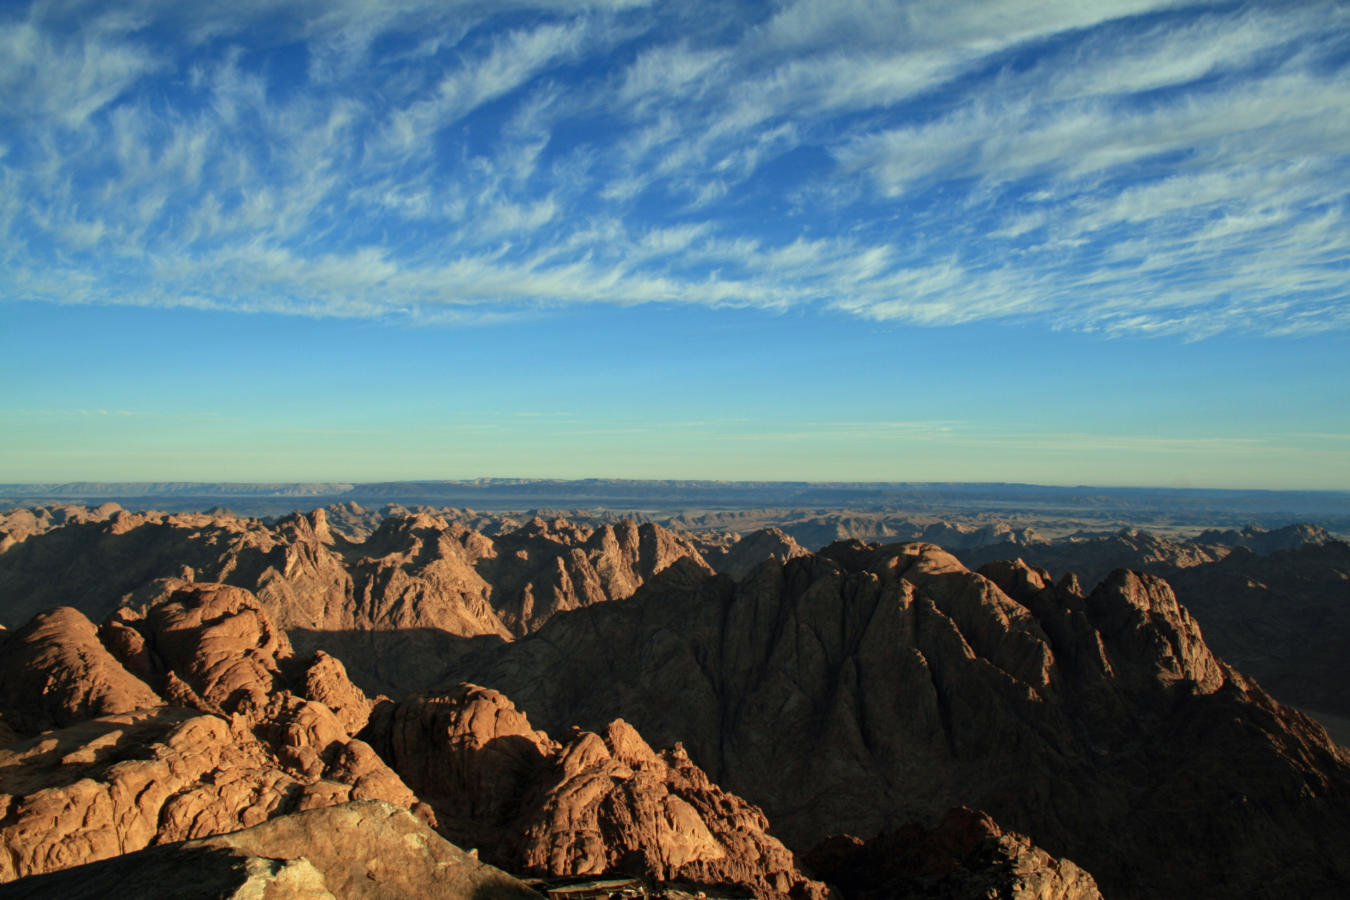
364,849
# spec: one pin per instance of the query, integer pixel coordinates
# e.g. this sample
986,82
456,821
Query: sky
1046,241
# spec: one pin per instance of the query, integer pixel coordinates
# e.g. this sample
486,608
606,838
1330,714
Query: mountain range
736,712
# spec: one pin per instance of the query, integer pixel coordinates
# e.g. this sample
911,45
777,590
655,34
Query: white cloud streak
1125,167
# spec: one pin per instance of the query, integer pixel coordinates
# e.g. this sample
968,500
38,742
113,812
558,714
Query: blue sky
1056,242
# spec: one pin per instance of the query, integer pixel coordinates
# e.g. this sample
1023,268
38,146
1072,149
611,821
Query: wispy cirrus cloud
1128,167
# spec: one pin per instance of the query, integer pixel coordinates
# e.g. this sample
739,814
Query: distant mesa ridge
616,486
1205,507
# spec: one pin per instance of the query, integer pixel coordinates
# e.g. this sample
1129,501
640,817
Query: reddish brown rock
615,804
326,682
353,851
471,755
594,805
222,643
17,525
1148,635
416,571
858,688
111,785
54,671
115,784
1271,603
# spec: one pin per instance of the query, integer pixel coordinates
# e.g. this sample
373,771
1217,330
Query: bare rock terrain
414,571
863,688
1275,604
220,742
364,850
859,689
967,856
596,803
223,727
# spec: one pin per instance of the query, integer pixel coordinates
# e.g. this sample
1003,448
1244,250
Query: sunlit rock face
594,803
221,728
238,730
415,571
363,850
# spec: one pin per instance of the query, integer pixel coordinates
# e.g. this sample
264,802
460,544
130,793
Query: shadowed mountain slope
862,688
1275,604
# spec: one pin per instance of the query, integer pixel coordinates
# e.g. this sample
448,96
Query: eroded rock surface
854,689
55,671
597,803
240,740
865,687
413,571
354,851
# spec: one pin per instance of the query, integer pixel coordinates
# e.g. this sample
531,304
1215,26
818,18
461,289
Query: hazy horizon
340,484
1077,244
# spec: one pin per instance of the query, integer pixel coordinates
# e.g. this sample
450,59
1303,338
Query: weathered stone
355,851
593,805
54,672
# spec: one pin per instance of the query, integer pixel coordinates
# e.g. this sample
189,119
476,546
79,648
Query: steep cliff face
861,688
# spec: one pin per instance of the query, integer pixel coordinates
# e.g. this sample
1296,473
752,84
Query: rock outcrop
740,557
224,727
234,740
55,671
967,856
855,689
364,850
597,803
